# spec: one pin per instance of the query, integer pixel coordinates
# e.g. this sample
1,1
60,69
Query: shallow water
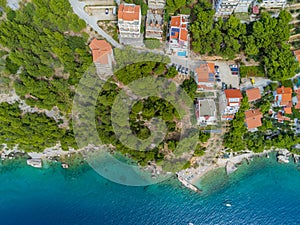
263,192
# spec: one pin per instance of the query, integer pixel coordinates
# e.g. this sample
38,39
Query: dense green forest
141,112
264,40
31,131
44,42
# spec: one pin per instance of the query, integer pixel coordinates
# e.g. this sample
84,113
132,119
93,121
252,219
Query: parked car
179,68
235,73
233,66
224,86
234,69
218,80
217,76
217,69
106,11
183,69
186,71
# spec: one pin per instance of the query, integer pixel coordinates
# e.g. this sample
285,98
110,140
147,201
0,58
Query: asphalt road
78,8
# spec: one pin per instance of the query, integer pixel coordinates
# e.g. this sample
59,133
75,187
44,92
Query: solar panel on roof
211,75
211,79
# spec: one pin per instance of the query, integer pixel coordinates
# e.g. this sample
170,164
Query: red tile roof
281,118
175,21
253,118
297,54
203,72
253,94
297,106
129,12
183,34
255,9
288,110
233,93
286,94
284,90
100,50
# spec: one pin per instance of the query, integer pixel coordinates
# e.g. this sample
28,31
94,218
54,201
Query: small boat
227,203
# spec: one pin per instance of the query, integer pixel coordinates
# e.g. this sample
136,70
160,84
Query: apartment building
179,36
230,101
154,24
271,3
205,76
156,4
206,112
129,22
227,7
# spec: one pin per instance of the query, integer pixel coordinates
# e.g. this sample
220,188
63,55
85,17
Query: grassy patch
152,43
252,71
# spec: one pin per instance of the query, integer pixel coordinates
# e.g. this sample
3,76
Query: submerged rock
230,167
37,163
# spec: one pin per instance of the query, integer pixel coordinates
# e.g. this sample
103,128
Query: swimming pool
181,53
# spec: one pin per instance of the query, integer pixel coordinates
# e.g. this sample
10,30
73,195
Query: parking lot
226,76
102,12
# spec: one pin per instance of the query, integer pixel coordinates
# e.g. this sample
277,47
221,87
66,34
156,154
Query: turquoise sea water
263,192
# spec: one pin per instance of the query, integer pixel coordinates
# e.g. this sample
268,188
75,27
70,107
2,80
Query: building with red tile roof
101,51
233,96
129,21
179,35
253,94
205,76
283,96
253,119
297,54
280,117
230,101
102,55
255,9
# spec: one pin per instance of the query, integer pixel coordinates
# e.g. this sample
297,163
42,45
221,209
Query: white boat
228,205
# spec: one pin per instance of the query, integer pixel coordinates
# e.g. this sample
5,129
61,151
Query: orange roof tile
288,110
175,21
175,36
297,54
282,118
203,72
211,67
233,93
253,118
253,94
100,50
129,12
284,90
183,34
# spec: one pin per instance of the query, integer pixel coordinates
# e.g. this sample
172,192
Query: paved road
78,8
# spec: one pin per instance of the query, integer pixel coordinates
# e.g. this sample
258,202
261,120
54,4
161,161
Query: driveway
260,83
78,8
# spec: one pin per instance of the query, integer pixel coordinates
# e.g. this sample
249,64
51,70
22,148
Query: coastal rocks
37,163
230,167
186,183
283,156
65,165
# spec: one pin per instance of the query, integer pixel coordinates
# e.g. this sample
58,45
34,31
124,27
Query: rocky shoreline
191,176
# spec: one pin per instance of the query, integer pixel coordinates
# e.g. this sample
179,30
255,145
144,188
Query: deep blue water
263,192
